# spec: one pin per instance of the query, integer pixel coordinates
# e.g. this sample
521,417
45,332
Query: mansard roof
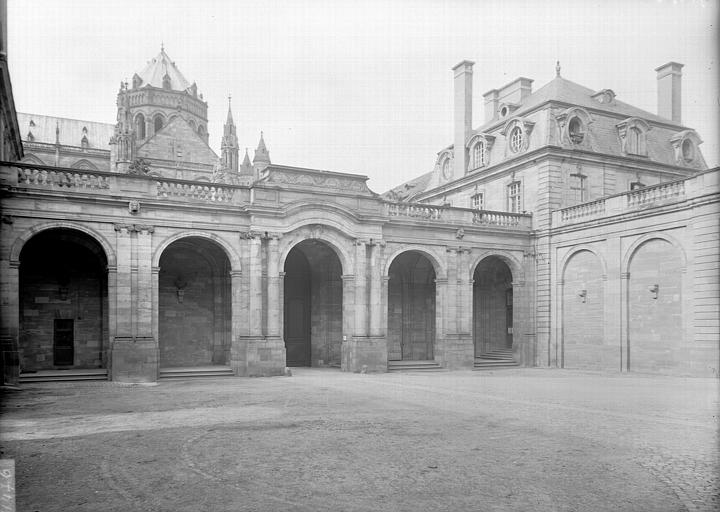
154,73
69,131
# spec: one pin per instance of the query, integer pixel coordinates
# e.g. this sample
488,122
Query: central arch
313,305
411,308
194,304
492,306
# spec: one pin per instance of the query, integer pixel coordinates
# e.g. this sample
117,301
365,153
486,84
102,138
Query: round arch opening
411,308
313,305
194,304
492,308
63,299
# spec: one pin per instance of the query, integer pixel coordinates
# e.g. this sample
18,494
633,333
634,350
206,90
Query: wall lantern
654,288
583,295
180,284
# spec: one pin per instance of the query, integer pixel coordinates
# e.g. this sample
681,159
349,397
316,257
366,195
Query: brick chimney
669,91
463,114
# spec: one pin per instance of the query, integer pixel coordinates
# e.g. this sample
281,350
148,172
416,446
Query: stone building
569,229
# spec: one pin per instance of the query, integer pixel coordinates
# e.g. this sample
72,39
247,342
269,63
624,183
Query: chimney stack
463,114
492,103
669,91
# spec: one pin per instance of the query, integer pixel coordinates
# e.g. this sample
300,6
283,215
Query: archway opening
194,315
63,302
140,126
158,122
312,305
411,308
492,307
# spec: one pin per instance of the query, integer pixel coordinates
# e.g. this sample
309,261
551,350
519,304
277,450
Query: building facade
569,229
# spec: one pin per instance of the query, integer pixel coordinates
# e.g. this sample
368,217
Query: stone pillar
239,330
274,282
265,354
367,350
134,350
455,347
624,321
361,305
348,320
10,318
377,325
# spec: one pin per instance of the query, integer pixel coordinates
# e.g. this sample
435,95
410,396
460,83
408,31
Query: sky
362,87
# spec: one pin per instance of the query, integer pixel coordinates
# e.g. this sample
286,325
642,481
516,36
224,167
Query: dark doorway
492,306
312,305
63,342
411,308
63,302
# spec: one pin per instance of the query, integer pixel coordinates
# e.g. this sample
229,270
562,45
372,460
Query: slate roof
407,190
177,141
157,68
70,133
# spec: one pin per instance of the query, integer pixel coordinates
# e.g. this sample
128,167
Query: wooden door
63,342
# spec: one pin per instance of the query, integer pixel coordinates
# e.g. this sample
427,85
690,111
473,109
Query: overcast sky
362,86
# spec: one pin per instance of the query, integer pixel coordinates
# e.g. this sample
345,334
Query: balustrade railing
61,178
653,194
504,219
583,211
215,193
449,214
421,211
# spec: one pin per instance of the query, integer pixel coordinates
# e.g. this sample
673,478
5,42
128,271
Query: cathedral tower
229,145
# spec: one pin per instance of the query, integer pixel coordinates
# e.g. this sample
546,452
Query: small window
578,188
84,143
479,155
514,197
576,133
688,150
30,137
201,130
516,140
158,123
166,82
477,201
140,126
636,142
504,111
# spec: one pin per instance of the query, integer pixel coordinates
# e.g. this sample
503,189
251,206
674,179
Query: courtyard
521,439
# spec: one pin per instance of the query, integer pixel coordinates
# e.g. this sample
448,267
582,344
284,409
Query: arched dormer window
158,122
201,130
479,146
685,145
166,82
30,137
140,126
517,135
192,125
633,136
84,142
574,125
444,164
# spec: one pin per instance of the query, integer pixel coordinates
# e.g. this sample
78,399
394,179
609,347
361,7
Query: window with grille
514,197
516,140
578,188
479,155
477,201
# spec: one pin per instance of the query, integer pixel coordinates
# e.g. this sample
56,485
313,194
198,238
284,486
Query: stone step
494,364
64,375
426,366
195,372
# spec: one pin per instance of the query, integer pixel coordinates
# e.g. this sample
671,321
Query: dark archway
492,306
312,305
158,123
194,316
411,308
63,302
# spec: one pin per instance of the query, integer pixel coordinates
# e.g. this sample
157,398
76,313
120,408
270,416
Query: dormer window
606,96
32,123
446,169
576,131
516,140
166,82
479,146
633,136
30,137
84,142
686,145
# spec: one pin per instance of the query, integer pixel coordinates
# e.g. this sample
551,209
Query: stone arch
337,241
509,259
85,165
579,248
159,121
140,125
29,158
429,253
226,246
20,241
632,250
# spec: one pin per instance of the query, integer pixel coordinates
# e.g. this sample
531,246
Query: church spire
229,143
262,155
246,167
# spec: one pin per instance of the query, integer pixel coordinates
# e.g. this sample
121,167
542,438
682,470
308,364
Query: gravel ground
525,439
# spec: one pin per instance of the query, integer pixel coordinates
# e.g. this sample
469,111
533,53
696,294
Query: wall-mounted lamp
180,285
654,288
583,295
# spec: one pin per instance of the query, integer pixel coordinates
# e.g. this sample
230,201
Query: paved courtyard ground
321,440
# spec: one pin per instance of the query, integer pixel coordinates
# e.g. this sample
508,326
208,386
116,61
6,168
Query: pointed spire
557,68
57,132
246,167
229,120
262,155
229,143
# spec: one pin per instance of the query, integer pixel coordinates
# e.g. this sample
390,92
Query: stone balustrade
504,219
414,210
656,193
195,191
61,178
583,211
450,215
